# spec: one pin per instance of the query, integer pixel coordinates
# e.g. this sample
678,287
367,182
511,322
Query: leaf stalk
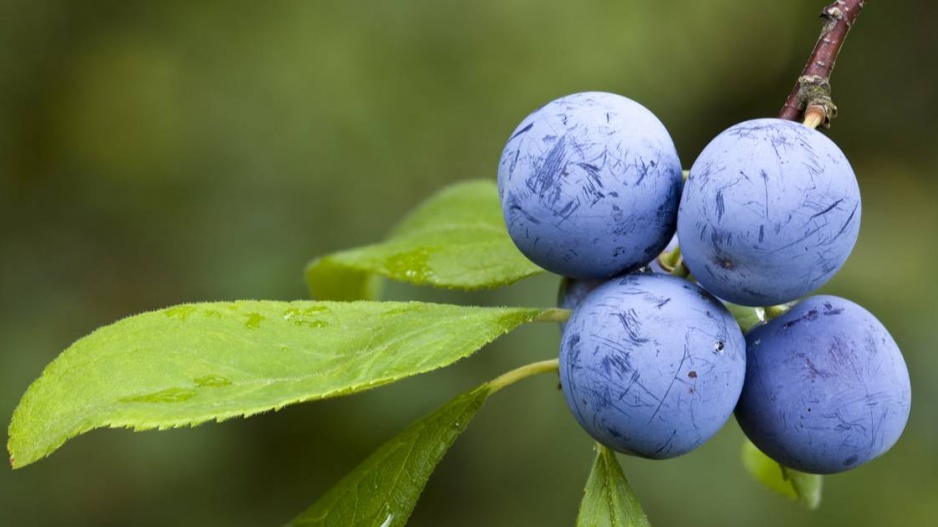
528,370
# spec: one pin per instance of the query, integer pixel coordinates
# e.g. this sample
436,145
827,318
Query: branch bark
811,95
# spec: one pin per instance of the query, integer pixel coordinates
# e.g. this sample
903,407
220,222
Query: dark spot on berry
809,316
850,460
692,374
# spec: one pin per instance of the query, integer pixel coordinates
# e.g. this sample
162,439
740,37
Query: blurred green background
153,153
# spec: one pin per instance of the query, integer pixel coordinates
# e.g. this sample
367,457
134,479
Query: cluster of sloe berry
653,364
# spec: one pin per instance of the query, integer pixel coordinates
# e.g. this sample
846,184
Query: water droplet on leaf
180,313
412,266
169,395
254,321
212,381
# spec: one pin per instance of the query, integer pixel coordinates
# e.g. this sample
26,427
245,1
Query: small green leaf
456,239
383,490
199,362
805,488
609,499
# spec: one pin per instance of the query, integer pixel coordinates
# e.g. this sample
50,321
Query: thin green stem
673,262
671,259
776,311
528,370
680,270
554,315
746,317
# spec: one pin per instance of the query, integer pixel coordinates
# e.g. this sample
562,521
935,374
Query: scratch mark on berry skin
765,184
521,132
849,221
828,209
809,316
677,373
544,180
632,325
666,444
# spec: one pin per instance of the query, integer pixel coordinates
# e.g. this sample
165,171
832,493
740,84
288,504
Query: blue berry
769,213
826,387
589,186
651,365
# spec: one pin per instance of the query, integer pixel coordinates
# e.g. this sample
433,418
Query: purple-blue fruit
826,387
651,365
769,213
589,185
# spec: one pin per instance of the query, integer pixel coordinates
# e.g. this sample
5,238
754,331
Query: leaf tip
16,462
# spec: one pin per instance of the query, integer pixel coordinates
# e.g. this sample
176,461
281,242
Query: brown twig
812,92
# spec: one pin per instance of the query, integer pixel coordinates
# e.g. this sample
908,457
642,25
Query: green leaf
456,239
609,499
383,490
198,362
800,486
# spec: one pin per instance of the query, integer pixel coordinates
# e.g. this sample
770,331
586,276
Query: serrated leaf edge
531,315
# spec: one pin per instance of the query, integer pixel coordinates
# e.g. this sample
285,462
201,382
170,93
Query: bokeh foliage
154,153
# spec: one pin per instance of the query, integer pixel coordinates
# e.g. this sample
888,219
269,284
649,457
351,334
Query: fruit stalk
811,95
